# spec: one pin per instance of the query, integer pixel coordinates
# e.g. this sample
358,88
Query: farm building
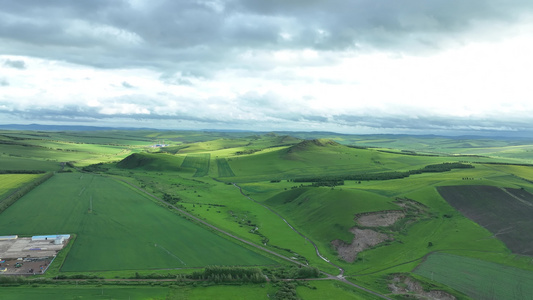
54,237
8,237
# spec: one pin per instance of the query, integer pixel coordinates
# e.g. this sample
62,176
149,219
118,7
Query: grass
152,162
477,278
10,182
200,162
329,289
224,170
325,214
123,231
58,292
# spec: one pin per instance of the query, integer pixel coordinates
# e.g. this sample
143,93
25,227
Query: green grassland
87,292
200,162
224,170
10,182
196,171
477,278
152,162
123,231
307,291
323,213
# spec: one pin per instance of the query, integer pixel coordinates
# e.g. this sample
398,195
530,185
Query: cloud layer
350,66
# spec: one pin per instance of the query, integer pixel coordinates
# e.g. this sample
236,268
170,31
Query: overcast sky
351,66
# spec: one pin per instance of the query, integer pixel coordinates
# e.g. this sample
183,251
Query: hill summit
309,144
150,161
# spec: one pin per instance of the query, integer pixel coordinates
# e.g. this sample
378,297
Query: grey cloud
127,85
4,82
16,64
271,120
202,36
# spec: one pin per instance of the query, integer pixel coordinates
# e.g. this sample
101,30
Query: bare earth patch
363,239
379,219
404,285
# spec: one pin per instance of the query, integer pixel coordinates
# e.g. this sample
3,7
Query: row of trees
229,274
23,191
22,172
444,167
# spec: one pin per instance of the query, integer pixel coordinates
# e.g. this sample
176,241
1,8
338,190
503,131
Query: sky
348,66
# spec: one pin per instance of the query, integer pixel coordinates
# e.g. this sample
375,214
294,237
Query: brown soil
406,285
363,239
379,219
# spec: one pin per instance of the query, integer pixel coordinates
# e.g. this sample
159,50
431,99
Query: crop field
16,162
118,228
504,212
200,162
224,170
58,292
477,278
9,182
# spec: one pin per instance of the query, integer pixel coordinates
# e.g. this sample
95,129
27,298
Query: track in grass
121,230
224,169
200,162
477,278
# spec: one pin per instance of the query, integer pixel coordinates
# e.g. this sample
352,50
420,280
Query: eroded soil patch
379,219
403,285
363,239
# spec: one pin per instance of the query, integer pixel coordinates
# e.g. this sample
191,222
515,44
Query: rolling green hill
374,227
152,162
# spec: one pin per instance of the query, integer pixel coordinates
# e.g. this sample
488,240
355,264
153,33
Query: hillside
151,162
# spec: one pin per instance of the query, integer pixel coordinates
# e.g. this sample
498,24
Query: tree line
23,191
229,274
22,172
443,167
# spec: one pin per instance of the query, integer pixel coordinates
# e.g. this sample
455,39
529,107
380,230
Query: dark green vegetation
374,206
505,212
477,278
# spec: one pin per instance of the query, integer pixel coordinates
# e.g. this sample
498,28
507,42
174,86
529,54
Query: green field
224,170
200,162
476,278
88,292
10,182
124,230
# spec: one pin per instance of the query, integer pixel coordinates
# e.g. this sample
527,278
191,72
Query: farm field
504,212
476,278
10,182
86,292
112,221
200,162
